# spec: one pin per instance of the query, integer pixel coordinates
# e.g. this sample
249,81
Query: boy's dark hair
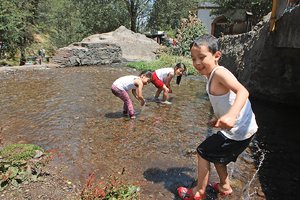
207,40
148,74
182,66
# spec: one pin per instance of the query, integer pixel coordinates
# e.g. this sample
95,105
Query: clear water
73,112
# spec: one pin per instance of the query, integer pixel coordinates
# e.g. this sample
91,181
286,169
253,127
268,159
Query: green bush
190,29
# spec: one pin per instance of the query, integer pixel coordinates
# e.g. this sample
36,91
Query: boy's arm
138,92
228,81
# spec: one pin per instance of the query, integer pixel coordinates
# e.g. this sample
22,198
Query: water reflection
73,111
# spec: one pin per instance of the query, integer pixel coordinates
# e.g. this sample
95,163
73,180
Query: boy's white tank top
163,73
245,125
125,83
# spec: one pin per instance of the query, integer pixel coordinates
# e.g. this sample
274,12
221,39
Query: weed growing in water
112,188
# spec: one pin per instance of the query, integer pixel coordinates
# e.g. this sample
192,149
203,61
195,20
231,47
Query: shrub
190,29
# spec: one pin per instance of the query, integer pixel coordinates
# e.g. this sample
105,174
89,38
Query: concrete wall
203,15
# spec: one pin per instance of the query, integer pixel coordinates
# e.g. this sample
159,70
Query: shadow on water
114,115
278,141
171,178
74,112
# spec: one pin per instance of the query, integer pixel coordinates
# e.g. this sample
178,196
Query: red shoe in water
187,194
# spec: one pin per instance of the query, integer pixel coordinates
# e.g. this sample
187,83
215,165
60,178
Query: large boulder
135,46
106,48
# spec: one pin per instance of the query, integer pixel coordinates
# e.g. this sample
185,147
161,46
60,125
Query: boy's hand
225,122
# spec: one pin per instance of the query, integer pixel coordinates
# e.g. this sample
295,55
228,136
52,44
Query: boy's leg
224,185
203,175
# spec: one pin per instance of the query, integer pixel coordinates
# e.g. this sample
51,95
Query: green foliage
18,164
101,16
190,29
17,25
165,60
111,189
65,23
167,14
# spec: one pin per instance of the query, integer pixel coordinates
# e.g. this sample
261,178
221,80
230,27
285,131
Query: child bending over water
122,85
161,78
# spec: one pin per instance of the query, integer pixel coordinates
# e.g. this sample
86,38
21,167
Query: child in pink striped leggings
122,85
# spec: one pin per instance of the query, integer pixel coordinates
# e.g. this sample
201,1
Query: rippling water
73,111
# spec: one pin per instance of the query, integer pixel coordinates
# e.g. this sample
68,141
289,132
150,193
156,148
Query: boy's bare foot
222,191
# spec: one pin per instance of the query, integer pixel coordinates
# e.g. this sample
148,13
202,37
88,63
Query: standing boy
233,116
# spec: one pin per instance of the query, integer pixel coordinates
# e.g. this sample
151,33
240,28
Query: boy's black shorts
219,149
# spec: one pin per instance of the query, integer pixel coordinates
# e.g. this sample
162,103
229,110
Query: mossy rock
19,152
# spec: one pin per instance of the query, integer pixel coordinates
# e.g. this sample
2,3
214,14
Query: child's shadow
115,115
174,178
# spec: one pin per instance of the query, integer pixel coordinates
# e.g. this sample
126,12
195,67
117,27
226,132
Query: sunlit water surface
73,112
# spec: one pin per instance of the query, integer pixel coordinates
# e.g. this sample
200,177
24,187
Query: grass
164,60
19,152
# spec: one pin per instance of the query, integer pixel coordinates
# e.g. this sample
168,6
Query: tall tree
135,9
63,22
17,25
166,14
102,16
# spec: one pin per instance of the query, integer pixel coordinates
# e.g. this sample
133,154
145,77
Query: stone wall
85,53
268,64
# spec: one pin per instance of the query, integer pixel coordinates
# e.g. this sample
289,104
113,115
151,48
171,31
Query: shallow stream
73,112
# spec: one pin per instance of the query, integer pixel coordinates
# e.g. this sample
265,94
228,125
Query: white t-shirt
245,125
163,73
125,83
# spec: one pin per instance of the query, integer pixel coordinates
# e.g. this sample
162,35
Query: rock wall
267,63
88,53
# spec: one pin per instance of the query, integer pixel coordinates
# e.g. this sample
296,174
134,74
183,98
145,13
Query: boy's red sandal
222,193
187,194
